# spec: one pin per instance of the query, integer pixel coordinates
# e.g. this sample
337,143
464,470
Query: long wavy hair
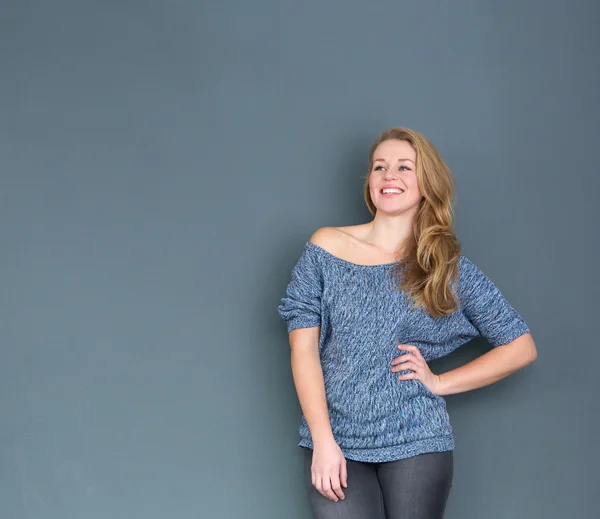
429,269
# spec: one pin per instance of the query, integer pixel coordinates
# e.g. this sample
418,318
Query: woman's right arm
329,465
301,309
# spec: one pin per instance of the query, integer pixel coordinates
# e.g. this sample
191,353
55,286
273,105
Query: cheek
372,182
414,186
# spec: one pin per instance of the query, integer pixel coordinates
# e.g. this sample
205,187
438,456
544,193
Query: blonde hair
431,253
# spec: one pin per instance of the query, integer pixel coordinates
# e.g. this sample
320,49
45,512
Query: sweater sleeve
301,308
486,308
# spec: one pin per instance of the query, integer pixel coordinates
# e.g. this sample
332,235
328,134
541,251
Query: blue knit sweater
363,317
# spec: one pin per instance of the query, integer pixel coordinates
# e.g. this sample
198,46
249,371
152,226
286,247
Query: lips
391,187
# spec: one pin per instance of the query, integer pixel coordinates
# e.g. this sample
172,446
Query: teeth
392,191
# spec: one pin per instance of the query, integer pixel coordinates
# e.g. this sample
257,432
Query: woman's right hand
328,470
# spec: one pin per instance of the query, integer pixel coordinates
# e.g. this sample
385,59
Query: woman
367,307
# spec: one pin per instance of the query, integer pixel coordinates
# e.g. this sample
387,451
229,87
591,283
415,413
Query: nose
390,173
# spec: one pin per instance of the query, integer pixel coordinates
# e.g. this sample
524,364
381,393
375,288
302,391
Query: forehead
394,149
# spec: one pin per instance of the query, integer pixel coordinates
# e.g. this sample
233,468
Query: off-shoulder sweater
363,317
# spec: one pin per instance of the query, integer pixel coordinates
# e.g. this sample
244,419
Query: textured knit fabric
363,317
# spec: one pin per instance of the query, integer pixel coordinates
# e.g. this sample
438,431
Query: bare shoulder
326,237
335,239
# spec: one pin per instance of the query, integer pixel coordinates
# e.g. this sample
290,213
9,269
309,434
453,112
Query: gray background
162,165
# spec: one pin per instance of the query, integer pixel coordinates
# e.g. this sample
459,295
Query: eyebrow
399,160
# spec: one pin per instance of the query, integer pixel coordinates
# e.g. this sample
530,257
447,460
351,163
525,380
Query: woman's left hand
420,370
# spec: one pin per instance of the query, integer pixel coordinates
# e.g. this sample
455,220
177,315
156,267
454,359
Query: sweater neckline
324,252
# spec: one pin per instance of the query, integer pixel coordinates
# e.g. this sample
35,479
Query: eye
377,168
405,167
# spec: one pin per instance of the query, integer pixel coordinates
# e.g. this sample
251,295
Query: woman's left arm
496,320
488,368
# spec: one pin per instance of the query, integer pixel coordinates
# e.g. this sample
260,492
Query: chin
394,211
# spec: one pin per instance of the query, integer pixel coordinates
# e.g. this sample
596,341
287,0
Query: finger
319,485
411,348
408,351
327,488
406,358
412,365
408,376
417,353
312,477
409,364
402,358
404,347
336,487
344,474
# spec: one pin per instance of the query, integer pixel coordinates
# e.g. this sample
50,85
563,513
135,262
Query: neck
389,233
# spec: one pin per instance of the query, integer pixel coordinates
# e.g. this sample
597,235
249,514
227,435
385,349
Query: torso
349,244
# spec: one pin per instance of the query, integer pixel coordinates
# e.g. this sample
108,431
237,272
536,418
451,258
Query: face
393,179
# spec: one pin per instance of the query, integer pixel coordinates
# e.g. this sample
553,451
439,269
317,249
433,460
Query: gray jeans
412,488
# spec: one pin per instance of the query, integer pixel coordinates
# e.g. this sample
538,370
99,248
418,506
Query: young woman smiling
367,307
